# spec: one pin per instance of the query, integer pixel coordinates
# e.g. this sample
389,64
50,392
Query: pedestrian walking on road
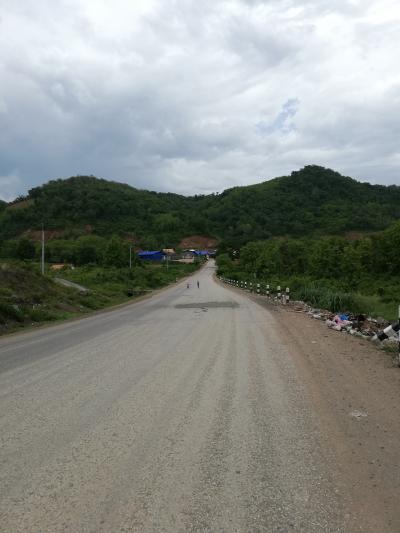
198,285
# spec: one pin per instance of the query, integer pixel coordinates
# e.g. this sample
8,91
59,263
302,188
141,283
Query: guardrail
277,294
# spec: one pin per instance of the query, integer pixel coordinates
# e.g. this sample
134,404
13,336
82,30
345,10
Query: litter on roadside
358,325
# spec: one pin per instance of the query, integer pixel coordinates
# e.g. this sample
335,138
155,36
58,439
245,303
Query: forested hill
88,204
312,201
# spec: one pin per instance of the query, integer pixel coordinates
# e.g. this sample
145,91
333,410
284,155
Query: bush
25,249
41,315
10,312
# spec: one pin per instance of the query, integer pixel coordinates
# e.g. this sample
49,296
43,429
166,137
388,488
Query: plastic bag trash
338,320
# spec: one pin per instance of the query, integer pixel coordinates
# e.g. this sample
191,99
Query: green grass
374,297
27,298
116,282
353,302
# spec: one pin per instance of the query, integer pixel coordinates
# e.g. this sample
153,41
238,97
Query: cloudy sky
196,96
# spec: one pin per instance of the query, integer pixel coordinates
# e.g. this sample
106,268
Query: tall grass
333,300
342,301
377,298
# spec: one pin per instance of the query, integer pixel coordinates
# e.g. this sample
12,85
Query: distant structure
186,256
156,255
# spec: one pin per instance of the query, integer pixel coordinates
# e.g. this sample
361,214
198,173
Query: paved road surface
183,412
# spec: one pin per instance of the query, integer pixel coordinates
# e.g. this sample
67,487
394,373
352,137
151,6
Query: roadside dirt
356,390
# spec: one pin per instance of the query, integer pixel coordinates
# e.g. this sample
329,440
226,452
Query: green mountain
311,201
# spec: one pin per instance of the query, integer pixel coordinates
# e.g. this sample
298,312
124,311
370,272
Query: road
188,411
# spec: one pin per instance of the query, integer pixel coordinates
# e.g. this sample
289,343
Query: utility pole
42,250
130,257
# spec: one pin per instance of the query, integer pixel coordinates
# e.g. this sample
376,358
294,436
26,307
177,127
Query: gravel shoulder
355,390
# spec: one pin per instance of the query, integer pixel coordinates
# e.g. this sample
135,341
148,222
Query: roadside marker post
287,295
278,290
268,290
258,288
390,331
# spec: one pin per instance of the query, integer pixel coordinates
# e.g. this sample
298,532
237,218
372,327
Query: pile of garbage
358,325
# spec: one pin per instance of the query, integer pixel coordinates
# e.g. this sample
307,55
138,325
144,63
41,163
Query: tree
25,249
88,249
116,253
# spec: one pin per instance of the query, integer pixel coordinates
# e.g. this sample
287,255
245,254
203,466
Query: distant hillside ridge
312,201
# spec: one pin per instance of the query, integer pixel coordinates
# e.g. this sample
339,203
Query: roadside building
61,266
156,255
203,253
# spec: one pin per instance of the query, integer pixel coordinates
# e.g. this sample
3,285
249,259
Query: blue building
152,255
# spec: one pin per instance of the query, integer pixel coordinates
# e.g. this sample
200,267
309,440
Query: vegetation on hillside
28,298
292,229
85,204
332,272
313,201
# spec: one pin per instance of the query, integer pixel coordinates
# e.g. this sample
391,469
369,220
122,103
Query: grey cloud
169,98
259,46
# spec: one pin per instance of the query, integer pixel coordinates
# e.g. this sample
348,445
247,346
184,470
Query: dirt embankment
199,242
